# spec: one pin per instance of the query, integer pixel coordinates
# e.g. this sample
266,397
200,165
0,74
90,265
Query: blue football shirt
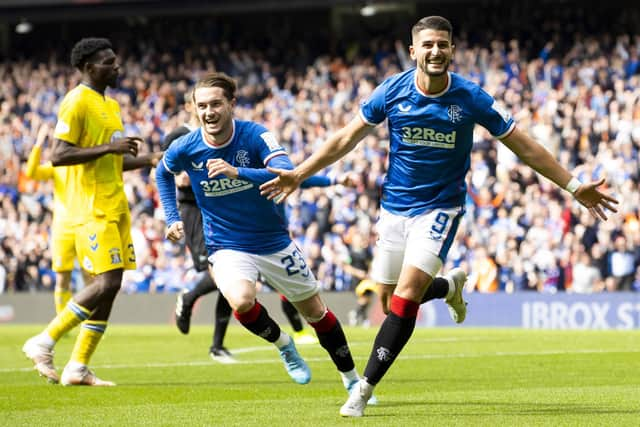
431,136
234,214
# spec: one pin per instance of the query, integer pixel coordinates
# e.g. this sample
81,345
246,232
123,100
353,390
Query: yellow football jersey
94,189
45,172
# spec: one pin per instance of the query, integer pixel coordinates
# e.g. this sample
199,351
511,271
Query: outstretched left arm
538,158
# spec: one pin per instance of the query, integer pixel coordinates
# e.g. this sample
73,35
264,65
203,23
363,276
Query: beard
424,67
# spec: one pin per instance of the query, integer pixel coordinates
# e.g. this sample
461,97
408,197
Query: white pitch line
275,360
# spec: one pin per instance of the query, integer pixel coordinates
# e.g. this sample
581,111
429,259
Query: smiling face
215,112
432,50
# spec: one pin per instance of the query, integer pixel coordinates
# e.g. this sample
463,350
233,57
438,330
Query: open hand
280,187
595,200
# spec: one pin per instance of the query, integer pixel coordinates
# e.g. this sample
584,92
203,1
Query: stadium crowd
575,88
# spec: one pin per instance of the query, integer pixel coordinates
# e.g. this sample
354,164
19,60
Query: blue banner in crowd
541,311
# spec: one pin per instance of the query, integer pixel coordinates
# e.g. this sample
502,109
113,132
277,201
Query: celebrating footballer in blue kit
246,234
431,113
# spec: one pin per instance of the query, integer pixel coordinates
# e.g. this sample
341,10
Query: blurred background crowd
569,72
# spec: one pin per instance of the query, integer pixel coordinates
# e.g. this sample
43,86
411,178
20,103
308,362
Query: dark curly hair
85,48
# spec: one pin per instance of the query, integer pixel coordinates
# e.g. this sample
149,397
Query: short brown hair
221,80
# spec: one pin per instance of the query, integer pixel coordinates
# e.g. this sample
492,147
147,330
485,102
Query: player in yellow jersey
63,251
89,141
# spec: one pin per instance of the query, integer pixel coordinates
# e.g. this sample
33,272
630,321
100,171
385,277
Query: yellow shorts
63,247
366,286
105,244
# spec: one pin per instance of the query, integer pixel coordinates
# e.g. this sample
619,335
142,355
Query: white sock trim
282,340
452,287
349,376
46,340
366,389
75,366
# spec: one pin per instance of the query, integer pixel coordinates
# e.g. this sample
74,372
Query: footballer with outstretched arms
430,113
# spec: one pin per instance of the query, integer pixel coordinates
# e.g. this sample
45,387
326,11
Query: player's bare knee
242,306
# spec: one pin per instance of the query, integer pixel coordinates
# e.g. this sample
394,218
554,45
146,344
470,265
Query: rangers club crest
383,353
242,158
455,113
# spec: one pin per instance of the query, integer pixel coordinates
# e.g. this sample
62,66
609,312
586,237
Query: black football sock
439,288
332,339
392,337
292,314
223,315
204,286
258,321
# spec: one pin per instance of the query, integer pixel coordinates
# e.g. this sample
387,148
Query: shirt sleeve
171,159
268,145
262,175
490,115
317,181
373,109
70,121
167,191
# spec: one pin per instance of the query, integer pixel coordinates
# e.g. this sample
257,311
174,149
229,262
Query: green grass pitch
448,376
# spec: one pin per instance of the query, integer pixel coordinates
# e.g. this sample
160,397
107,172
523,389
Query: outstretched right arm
336,147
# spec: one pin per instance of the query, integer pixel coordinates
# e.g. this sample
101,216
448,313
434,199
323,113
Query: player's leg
105,249
236,274
218,351
69,314
450,286
288,272
332,338
40,347
428,240
101,295
187,299
62,291
63,254
300,334
194,239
